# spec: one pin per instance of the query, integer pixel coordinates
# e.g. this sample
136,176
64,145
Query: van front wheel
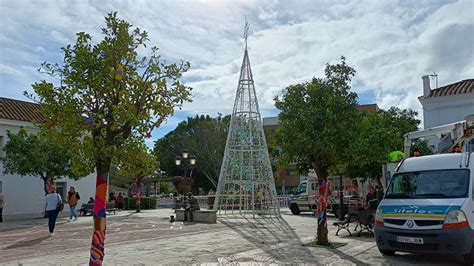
294,209
469,258
387,252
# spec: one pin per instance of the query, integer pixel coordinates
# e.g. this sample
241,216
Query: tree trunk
99,213
322,230
45,185
138,201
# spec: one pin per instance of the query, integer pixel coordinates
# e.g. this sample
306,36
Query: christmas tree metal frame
246,183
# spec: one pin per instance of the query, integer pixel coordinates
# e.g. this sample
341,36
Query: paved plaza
148,238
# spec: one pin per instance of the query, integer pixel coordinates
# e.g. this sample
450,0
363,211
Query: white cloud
390,43
39,49
60,38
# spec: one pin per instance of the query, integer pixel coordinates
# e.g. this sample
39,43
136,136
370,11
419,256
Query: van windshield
435,184
301,188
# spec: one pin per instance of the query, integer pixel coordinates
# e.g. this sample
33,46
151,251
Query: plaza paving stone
148,238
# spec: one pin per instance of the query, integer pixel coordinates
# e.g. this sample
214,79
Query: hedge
145,203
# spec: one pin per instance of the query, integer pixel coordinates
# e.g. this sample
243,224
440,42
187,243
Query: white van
304,199
428,207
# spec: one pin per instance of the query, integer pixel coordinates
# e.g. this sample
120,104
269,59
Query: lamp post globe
186,161
178,161
185,154
192,160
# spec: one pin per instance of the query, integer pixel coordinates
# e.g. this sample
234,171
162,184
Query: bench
87,208
365,220
344,225
199,216
362,219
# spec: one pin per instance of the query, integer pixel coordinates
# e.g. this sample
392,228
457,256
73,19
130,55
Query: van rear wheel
294,209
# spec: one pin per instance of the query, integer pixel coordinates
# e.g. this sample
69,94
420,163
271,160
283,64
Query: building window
61,189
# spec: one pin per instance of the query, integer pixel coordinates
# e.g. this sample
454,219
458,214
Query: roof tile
460,87
12,109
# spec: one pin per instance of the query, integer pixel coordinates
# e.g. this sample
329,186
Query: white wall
25,195
446,109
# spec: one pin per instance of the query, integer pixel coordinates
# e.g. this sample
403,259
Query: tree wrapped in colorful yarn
323,195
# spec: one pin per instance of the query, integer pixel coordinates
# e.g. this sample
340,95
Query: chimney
426,85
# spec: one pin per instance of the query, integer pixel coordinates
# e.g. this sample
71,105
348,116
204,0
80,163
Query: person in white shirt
52,201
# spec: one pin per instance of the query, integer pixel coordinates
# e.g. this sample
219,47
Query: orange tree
108,93
136,162
317,124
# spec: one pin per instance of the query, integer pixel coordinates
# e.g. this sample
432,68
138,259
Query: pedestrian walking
53,205
120,201
72,198
2,204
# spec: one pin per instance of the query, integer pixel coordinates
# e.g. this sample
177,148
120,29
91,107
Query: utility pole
341,199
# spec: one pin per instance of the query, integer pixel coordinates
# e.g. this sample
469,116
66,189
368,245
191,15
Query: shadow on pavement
27,243
272,235
345,256
130,214
307,215
365,237
401,258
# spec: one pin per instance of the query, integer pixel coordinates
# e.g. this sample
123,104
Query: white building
24,195
447,104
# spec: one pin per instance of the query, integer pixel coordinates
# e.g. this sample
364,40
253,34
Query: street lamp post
157,179
186,161
341,199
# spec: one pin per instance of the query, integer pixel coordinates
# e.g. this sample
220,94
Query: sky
390,43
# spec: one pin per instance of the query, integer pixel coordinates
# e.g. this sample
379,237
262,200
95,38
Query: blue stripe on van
418,209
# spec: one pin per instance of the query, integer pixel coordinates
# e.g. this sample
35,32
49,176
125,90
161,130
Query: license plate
411,240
